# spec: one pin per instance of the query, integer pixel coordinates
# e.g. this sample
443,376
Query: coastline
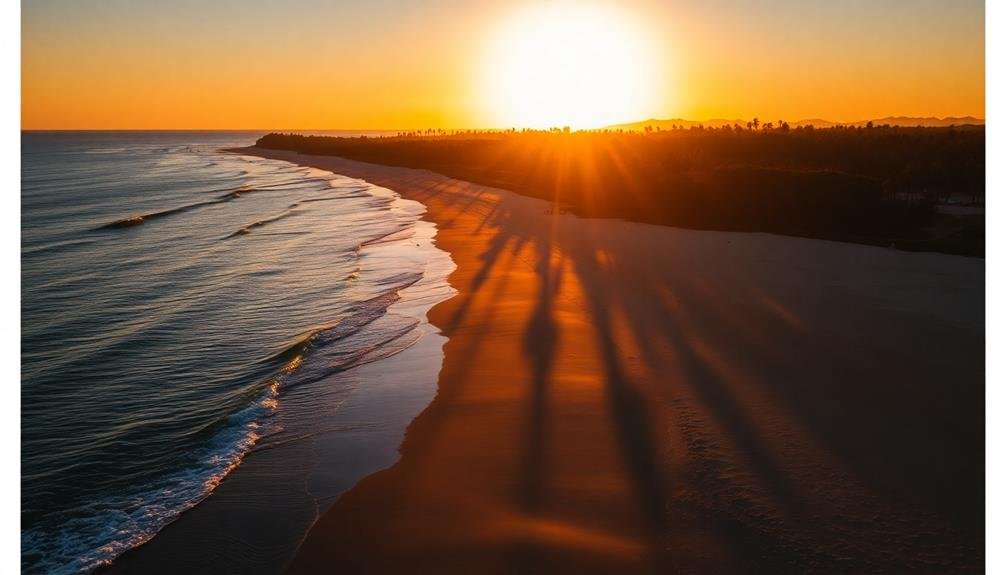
339,411
628,397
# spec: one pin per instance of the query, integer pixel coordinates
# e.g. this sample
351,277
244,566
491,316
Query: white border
10,282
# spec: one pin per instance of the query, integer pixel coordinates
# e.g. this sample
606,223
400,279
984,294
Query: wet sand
620,397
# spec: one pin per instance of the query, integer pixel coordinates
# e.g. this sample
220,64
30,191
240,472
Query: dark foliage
872,185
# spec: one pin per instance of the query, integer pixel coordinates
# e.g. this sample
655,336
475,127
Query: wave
117,512
104,151
118,523
113,525
291,211
334,359
394,235
231,195
290,184
139,219
360,315
55,246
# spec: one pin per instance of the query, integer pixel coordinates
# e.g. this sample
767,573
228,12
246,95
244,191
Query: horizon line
609,126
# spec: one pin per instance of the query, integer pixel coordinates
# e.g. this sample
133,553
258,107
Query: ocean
186,310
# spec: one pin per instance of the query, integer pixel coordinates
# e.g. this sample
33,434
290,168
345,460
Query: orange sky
119,64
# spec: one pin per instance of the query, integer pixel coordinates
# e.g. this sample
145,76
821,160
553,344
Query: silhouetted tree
838,181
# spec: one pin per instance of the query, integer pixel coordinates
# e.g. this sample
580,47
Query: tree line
872,184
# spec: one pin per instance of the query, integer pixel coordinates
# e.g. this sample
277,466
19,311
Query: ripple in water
169,301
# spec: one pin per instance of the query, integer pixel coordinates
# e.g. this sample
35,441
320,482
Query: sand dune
621,397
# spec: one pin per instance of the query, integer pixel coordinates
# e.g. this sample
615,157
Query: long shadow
761,337
657,323
539,343
540,339
630,412
769,339
497,247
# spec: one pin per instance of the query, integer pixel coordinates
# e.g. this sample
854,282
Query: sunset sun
584,66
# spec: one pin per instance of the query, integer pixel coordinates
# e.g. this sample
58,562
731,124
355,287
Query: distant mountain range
903,121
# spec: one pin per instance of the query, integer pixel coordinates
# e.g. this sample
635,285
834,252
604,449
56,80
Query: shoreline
620,396
328,429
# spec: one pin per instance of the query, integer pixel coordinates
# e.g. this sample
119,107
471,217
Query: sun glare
578,65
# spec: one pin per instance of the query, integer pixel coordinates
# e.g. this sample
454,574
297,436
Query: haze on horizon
310,64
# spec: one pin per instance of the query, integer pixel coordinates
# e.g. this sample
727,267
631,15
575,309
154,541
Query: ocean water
184,307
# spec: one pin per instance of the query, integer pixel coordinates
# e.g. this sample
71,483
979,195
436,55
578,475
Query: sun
577,65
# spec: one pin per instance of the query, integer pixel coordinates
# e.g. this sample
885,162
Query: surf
198,351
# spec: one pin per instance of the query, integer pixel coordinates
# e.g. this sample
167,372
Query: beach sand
621,397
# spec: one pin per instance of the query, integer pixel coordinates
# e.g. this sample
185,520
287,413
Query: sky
396,64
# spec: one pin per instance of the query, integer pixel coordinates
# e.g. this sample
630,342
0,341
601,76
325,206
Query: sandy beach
622,397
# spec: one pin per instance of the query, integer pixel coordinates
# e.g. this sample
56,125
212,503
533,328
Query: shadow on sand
817,428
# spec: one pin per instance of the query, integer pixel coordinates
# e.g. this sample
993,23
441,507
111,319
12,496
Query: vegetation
879,185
